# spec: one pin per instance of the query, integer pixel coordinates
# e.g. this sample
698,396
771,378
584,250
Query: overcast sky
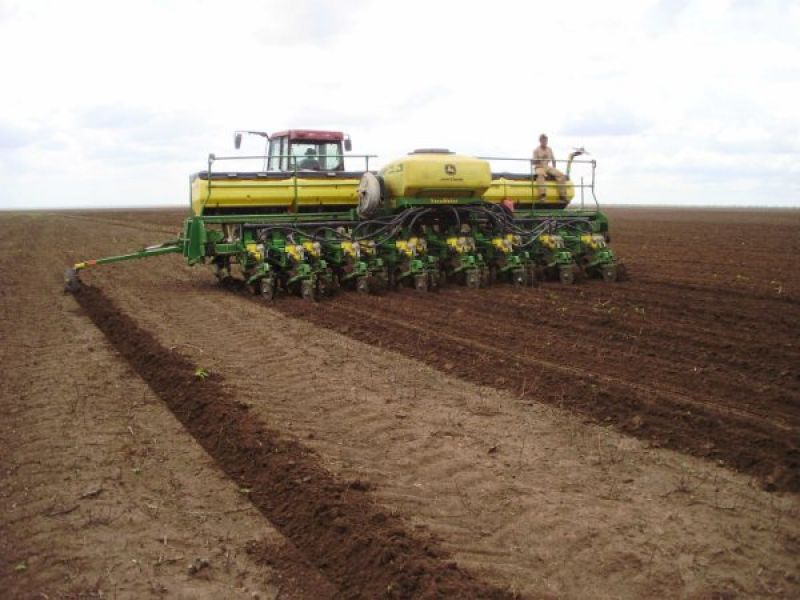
116,103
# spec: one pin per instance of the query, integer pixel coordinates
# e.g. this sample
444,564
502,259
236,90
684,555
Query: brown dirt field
498,426
701,358
363,549
103,494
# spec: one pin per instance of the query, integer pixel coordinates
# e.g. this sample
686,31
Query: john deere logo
450,169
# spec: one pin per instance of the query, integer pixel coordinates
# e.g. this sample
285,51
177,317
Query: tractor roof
311,134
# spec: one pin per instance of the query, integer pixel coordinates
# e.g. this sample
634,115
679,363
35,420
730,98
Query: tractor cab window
277,152
316,156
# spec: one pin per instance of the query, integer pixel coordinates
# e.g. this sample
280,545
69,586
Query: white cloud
605,121
695,97
13,137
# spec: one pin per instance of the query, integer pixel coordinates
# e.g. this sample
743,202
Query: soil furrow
576,346
521,494
366,552
696,341
124,223
763,447
648,392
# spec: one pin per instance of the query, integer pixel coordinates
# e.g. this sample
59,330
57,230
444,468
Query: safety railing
294,163
583,165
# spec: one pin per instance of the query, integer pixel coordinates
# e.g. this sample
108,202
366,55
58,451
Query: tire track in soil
122,223
670,355
581,373
584,331
364,551
701,287
686,324
489,353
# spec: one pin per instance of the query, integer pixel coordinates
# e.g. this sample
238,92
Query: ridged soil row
497,342
365,551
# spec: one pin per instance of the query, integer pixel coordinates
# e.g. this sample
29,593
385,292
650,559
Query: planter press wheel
519,277
485,277
378,282
609,273
566,275
309,290
533,279
622,272
492,276
221,269
266,287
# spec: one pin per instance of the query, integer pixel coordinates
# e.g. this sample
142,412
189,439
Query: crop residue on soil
366,552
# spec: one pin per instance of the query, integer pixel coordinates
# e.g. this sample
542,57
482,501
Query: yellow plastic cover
238,191
436,175
525,192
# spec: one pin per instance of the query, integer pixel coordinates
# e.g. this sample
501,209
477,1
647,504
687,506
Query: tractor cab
304,149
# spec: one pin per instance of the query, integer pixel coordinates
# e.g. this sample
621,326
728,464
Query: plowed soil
363,549
630,440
